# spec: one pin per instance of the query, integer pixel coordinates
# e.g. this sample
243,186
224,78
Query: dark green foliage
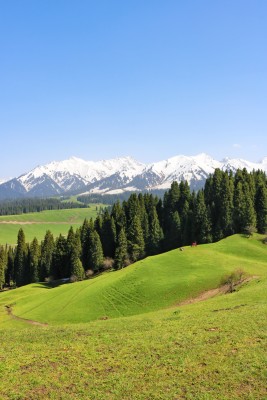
24,206
20,273
95,252
3,263
144,225
60,259
136,243
34,257
261,207
121,254
202,224
47,248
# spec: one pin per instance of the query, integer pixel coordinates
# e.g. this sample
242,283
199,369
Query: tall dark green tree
47,248
60,259
136,243
121,253
261,207
34,257
202,224
155,236
95,252
3,266
20,260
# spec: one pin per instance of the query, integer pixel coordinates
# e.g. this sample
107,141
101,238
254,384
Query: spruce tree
47,248
121,253
155,236
95,252
3,266
34,256
60,258
136,243
20,260
261,207
202,225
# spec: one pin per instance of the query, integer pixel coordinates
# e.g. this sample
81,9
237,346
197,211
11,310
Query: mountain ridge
118,175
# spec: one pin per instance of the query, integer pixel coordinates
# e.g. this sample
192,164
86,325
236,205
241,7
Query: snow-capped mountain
117,175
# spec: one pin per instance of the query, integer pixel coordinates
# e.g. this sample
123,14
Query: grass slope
212,350
148,285
36,224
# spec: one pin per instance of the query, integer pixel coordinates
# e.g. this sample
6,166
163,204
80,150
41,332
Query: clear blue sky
146,78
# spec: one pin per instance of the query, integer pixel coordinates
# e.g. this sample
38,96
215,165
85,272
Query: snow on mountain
75,173
118,175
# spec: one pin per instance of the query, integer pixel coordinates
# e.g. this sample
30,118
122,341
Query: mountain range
118,175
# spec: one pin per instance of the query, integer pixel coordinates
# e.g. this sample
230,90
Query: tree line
141,226
23,206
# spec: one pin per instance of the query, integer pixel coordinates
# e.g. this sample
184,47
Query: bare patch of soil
215,292
29,321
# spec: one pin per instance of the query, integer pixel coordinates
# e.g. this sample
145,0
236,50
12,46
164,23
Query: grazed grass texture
148,285
36,224
211,350
191,352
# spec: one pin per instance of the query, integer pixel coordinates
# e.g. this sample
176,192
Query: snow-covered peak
121,174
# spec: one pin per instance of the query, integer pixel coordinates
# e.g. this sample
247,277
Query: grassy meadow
36,224
122,335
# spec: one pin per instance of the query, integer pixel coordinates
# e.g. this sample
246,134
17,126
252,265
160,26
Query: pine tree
76,268
20,260
34,256
9,279
59,258
155,237
202,225
47,248
3,266
136,244
121,254
95,252
261,207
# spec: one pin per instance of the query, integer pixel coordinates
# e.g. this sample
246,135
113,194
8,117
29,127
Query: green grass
145,286
36,224
215,349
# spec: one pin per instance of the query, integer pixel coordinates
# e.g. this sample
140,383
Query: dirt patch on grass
28,321
215,292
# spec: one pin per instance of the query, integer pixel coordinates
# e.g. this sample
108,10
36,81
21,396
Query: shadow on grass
51,285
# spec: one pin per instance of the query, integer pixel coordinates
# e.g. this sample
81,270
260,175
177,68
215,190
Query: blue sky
146,78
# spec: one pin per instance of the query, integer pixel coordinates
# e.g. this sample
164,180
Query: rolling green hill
145,286
36,224
210,350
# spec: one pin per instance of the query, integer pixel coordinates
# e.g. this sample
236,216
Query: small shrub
73,279
108,263
233,279
89,273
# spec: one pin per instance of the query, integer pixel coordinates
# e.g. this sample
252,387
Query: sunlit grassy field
36,224
94,347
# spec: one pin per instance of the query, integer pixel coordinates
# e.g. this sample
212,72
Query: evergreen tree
121,254
136,244
108,235
9,279
60,258
47,248
261,207
95,252
3,266
76,268
34,256
155,237
20,260
202,225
